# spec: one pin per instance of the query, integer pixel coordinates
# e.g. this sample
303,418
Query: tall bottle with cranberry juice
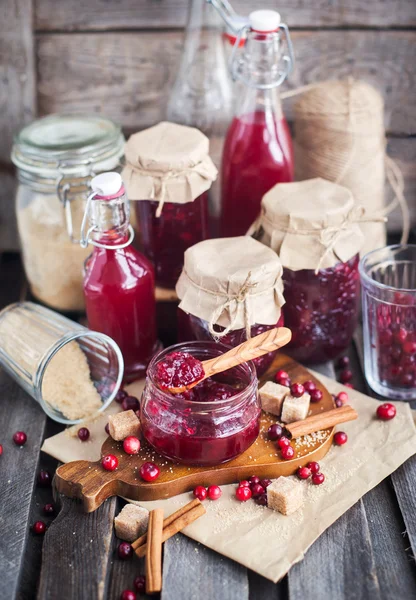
118,280
258,151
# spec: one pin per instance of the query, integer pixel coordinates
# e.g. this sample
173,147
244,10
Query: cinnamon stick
154,555
324,420
175,526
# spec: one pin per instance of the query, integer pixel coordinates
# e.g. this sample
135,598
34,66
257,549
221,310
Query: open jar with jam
56,158
211,424
230,289
168,173
313,226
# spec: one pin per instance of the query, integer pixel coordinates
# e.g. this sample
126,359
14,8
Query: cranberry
288,452
109,462
214,492
1,449
253,480
309,386
386,411
243,493
409,347
128,595
149,471
140,584
244,483
49,509
343,396
303,473
178,369
297,390
314,467
83,434
343,362
279,375
39,527
316,395
125,551
131,445
286,382
20,438
130,403
338,403
401,335
275,432
318,478
262,500
44,478
283,442
121,394
345,376
257,490
200,492
107,429
265,483
340,438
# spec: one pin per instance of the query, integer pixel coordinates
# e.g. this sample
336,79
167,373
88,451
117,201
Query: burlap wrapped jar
169,172
230,289
313,226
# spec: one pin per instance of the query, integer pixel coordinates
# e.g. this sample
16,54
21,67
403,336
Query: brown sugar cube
123,424
285,495
131,522
272,396
295,409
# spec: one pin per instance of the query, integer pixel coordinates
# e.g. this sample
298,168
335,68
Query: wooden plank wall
119,58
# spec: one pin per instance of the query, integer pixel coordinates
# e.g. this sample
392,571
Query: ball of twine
340,136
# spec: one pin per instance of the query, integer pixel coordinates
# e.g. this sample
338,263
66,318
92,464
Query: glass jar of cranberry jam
211,424
230,289
313,227
168,173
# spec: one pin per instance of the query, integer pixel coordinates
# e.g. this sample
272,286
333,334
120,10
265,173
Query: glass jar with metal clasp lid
56,158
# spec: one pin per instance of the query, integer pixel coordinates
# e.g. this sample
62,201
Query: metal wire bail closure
86,235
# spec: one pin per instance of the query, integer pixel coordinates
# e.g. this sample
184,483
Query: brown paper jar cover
311,224
232,282
168,163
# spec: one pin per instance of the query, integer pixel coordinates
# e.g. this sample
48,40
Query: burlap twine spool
340,136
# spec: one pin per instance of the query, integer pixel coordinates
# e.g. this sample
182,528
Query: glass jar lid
68,145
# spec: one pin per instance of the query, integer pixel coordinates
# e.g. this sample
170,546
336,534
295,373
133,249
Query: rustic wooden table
368,553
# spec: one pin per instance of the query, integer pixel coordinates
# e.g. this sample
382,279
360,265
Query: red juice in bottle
119,280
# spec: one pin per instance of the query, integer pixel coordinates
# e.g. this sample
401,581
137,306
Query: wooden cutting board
91,483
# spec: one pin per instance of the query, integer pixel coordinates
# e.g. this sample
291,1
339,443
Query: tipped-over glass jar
213,423
168,173
229,288
313,227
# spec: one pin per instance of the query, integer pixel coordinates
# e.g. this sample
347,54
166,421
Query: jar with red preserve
168,173
212,423
230,289
313,226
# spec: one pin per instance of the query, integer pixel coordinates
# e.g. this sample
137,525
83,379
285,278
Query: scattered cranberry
318,478
262,500
275,432
340,438
244,483
121,394
253,480
386,411
49,509
44,478
140,584
131,445
125,551
316,395
109,462
338,403
286,382
265,483
314,467
257,490
214,492
200,492
297,390
309,386
83,434
1,449
303,472
284,442
130,403
20,438
149,471
107,429
39,528
345,376
243,493
128,595
288,452
281,375
343,362
343,396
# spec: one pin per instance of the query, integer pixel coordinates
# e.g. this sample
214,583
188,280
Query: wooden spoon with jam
183,368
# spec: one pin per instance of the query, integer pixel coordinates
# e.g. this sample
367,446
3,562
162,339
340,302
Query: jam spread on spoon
178,369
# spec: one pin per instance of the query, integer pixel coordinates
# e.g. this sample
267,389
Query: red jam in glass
178,369
210,424
257,154
321,310
166,238
193,328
